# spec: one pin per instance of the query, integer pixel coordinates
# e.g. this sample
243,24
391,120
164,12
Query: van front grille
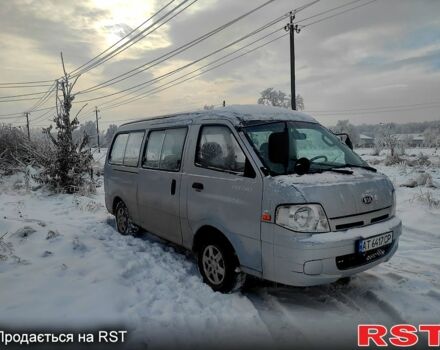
380,218
359,220
350,225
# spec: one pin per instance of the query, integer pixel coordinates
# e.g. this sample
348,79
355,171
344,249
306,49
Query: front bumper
307,260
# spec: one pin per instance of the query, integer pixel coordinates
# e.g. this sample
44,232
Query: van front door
160,183
224,191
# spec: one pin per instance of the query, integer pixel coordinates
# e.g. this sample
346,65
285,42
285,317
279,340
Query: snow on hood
339,194
327,178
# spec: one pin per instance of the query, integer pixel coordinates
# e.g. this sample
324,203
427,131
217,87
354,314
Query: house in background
365,141
411,140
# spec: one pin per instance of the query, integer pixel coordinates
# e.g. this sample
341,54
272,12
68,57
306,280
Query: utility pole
292,28
27,124
97,128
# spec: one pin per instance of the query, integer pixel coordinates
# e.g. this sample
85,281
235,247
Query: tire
219,266
122,216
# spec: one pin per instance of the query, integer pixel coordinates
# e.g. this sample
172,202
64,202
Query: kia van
252,190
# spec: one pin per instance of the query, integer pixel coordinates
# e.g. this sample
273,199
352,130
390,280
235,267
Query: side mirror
279,148
302,166
346,139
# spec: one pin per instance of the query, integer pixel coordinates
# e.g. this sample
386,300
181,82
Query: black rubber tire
122,218
233,278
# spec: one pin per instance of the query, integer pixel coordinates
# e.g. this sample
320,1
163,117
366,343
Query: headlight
302,218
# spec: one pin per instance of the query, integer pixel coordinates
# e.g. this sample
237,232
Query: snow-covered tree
272,97
89,129
432,137
111,131
344,126
70,161
299,102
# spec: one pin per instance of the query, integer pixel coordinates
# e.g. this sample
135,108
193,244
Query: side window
172,148
219,150
118,149
133,148
164,149
154,147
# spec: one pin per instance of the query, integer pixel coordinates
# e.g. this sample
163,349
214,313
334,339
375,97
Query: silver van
252,190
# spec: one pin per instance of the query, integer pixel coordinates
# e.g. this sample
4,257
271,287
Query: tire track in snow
280,324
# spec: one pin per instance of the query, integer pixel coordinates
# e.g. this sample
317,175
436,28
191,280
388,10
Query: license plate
364,245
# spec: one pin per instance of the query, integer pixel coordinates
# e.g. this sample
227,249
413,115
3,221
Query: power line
22,95
123,38
23,86
42,115
328,11
6,116
14,115
133,87
375,108
140,85
26,82
176,82
267,43
208,64
31,83
45,98
172,53
167,74
131,42
20,99
336,14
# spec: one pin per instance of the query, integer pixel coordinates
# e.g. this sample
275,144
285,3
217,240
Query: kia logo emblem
367,199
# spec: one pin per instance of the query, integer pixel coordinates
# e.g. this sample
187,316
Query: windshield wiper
367,167
321,170
336,170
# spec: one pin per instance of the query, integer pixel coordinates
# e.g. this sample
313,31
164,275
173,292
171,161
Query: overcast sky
383,54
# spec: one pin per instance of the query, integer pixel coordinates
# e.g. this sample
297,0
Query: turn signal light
266,217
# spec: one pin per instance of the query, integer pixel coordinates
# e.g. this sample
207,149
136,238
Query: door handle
197,186
173,187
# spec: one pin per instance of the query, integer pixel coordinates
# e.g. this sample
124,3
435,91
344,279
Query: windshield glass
323,149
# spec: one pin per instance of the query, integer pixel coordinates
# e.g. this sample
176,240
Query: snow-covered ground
64,266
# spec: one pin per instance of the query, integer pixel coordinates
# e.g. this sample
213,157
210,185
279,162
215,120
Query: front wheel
219,267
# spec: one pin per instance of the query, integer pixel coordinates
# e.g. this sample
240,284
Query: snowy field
64,266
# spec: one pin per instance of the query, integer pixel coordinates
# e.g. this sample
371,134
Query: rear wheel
123,222
219,267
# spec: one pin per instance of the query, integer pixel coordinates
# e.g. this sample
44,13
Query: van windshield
323,149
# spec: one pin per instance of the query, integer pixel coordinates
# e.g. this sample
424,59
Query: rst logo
400,335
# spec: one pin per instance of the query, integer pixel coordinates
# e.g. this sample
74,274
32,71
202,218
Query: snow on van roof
236,114
261,112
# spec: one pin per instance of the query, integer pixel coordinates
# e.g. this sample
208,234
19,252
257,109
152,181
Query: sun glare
124,16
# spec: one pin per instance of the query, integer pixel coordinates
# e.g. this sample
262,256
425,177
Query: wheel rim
213,264
121,219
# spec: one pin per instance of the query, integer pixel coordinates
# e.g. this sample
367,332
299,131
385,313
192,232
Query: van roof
236,114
